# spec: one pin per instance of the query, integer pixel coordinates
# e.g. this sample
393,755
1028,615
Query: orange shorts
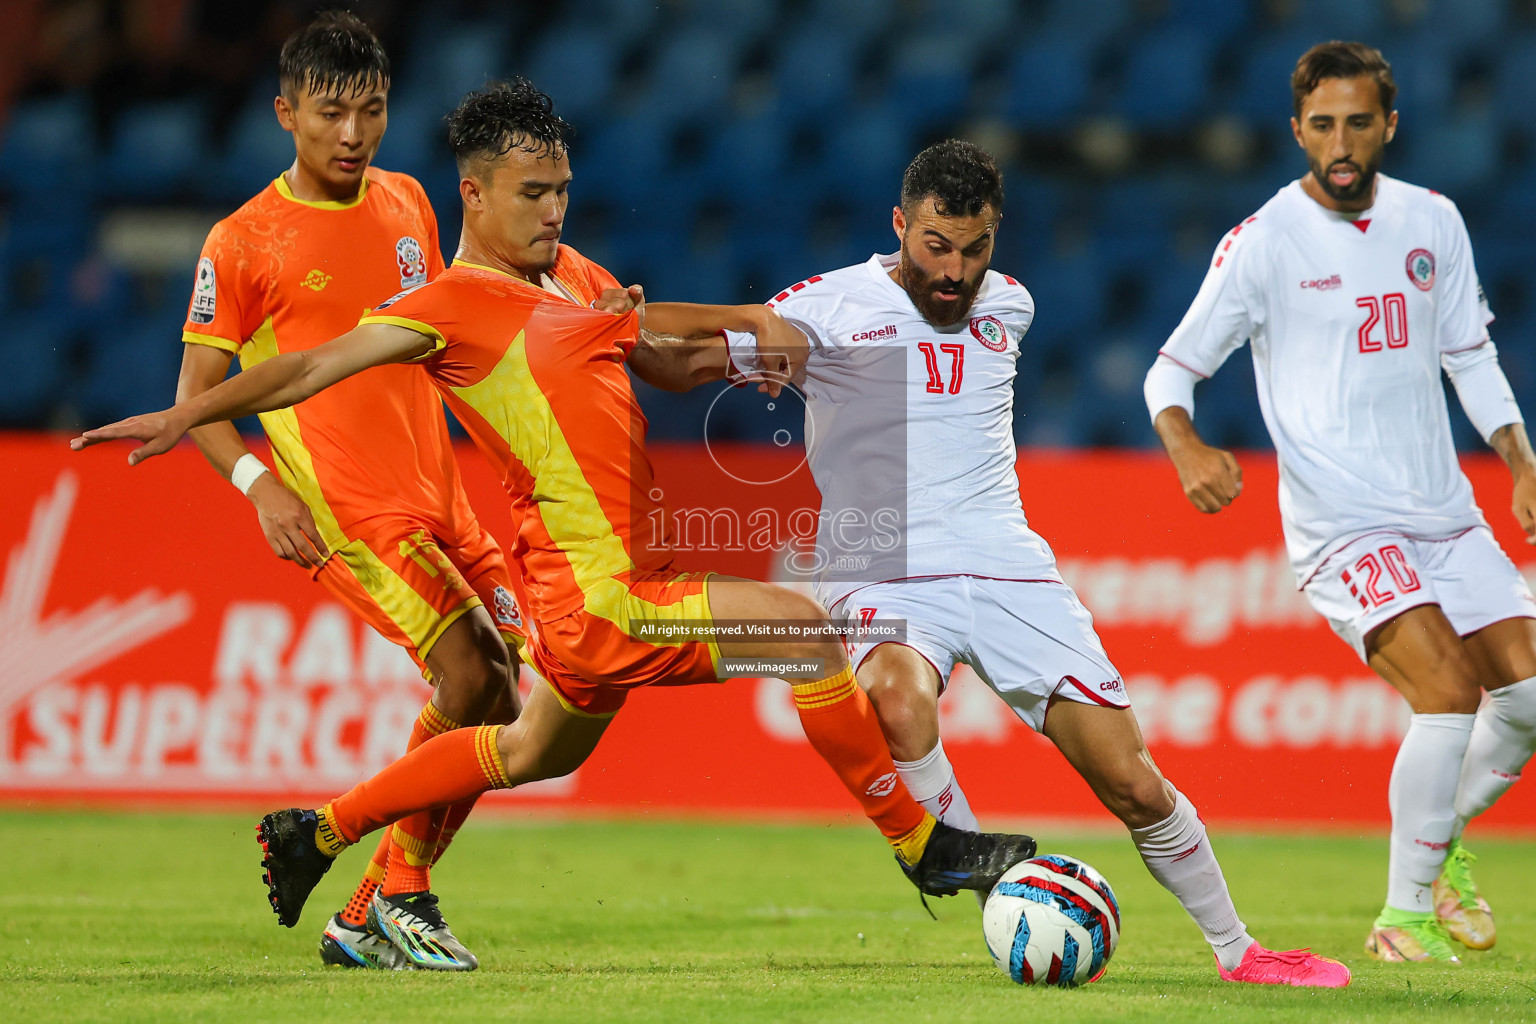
411,582
591,659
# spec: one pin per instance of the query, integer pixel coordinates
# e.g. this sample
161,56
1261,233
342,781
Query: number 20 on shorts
1368,578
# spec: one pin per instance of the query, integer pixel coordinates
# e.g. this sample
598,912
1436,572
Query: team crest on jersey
1421,269
989,331
413,262
507,612
205,293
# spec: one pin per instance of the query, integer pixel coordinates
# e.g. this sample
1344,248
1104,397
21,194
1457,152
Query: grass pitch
153,917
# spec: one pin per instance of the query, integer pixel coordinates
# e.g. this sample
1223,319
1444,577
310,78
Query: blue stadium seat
745,158
1454,154
1220,19
133,368
982,20
814,74
931,78
447,63
1424,70
1329,19
743,20
48,145
1463,22
1167,79
257,151
864,154
625,20
1049,80
1513,81
157,151
692,76
31,387
575,64
624,159
858,21
1092,20
1263,92
417,138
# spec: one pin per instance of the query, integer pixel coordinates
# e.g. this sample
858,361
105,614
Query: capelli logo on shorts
1113,686
885,785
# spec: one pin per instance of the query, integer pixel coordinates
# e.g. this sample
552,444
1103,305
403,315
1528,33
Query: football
1051,920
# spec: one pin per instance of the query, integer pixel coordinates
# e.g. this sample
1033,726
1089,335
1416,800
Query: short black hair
491,122
1342,60
961,177
334,53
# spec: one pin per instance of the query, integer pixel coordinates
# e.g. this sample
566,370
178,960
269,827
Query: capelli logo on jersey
888,331
1324,284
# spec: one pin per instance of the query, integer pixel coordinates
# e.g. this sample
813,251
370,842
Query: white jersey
1349,320
909,432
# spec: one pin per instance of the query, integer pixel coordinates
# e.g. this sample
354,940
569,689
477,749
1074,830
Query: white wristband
247,469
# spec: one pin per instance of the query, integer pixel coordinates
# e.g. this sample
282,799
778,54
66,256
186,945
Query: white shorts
1374,579
1029,641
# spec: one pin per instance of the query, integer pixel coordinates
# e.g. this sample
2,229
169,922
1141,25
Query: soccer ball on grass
1051,921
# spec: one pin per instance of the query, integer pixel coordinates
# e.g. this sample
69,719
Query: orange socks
443,771
454,818
841,725
413,841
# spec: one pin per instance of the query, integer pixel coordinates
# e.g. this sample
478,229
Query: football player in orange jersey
369,501
527,340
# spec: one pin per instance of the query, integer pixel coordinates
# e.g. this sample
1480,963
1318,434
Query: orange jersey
282,275
539,383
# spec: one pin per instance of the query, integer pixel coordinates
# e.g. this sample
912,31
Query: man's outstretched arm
279,382
681,346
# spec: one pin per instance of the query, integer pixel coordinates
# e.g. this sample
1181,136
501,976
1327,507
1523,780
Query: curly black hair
334,53
491,122
961,177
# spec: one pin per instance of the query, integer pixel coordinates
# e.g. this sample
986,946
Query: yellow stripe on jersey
417,619
211,340
281,183
438,341
512,404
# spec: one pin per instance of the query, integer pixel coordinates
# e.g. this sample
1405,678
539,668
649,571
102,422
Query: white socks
1178,853
932,783
1421,796
1503,736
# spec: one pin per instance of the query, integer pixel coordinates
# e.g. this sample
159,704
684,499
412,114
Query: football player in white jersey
909,425
1355,290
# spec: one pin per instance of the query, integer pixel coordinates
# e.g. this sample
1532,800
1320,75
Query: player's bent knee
1138,799
907,715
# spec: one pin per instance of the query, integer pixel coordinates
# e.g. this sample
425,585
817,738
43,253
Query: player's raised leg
840,723
1503,738
299,845
1422,657
1105,746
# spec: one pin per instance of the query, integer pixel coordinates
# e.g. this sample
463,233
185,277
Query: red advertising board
151,647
